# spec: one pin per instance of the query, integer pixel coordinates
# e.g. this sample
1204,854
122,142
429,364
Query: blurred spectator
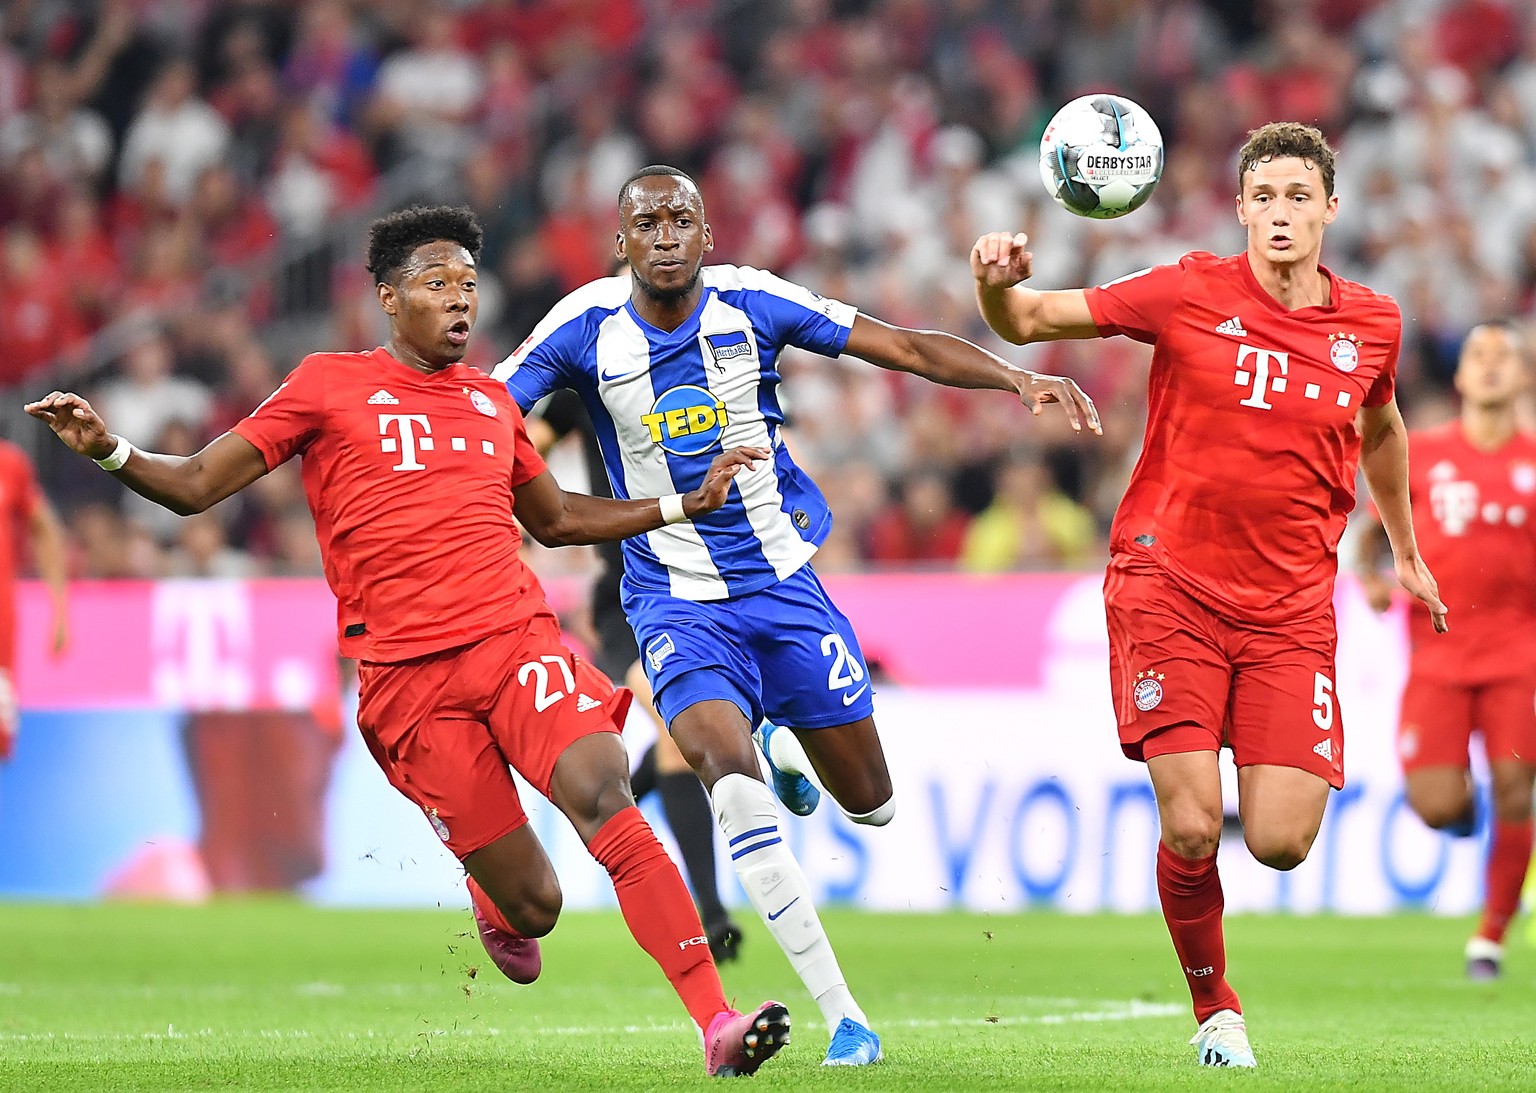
148,395
177,129
74,141
202,550
921,526
39,320
1030,524
427,93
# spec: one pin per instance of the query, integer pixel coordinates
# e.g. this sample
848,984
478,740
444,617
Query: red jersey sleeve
291,417
527,463
1385,385
1137,305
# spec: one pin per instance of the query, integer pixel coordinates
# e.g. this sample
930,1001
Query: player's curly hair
1283,139
394,238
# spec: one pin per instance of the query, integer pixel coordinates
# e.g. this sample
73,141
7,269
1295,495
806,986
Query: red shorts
445,726
1187,679
1438,719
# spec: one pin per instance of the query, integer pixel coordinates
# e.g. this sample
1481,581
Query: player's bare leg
1282,810
1509,857
716,739
1188,789
850,765
1443,797
590,784
685,803
516,898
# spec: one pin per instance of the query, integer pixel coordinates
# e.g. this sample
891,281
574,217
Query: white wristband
119,456
672,508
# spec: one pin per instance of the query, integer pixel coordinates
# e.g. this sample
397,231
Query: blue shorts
784,653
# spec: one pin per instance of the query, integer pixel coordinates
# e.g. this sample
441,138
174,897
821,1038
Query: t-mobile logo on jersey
1264,378
409,434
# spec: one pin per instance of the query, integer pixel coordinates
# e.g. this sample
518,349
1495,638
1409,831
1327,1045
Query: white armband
672,509
119,456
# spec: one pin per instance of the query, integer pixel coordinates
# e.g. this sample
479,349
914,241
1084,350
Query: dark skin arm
185,484
955,362
557,518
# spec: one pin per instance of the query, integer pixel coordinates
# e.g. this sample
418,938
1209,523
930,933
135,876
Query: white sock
779,892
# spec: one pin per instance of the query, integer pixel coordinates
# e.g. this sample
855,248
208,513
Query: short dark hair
1283,140
394,238
656,170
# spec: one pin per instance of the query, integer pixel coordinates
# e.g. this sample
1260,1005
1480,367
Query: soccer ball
1100,156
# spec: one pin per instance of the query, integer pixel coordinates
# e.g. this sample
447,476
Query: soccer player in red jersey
1271,380
1473,487
413,465
25,517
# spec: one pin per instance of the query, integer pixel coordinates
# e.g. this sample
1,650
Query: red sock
1509,856
659,911
488,909
1192,904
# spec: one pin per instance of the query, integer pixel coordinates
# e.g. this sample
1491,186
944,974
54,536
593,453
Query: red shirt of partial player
409,476
1474,515
19,498
1247,474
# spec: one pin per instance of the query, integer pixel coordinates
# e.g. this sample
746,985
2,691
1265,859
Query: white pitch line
1131,1010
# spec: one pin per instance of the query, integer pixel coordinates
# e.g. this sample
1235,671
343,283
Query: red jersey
19,498
1474,515
410,479
1247,472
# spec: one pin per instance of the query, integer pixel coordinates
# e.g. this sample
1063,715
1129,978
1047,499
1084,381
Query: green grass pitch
283,996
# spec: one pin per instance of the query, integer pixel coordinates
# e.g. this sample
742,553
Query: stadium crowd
166,165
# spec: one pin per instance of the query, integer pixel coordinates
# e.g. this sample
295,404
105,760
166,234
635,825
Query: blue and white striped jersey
665,404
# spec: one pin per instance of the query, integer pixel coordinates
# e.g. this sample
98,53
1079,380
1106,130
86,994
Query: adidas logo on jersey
1325,749
585,703
1233,326
382,397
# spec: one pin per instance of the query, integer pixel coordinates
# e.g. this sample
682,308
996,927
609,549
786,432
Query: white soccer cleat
1485,959
1223,1040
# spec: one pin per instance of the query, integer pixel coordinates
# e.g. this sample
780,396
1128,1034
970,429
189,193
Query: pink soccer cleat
737,1044
517,957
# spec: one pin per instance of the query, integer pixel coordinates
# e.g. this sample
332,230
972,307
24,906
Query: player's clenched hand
1415,576
999,260
716,486
77,424
1035,390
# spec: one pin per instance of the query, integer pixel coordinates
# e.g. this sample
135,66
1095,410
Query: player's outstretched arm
955,362
556,518
1384,460
184,484
999,262
51,556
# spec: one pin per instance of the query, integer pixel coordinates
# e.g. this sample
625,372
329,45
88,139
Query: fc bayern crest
482,402
1344,352
1149,690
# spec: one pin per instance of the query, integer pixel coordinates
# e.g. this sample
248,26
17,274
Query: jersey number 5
543,697
1322,698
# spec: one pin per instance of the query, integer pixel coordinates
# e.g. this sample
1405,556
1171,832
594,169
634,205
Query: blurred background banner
156,758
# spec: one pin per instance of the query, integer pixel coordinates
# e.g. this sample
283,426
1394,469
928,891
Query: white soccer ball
1101,155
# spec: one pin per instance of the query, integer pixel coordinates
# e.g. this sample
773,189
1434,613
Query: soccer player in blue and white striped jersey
674,361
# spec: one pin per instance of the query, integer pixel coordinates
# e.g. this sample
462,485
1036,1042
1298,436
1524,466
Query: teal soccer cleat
852,1045
1222,1040
795,790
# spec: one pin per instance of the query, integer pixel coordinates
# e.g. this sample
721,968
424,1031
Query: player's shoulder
1435,437
603,297
1363,300
1202,261
750,279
